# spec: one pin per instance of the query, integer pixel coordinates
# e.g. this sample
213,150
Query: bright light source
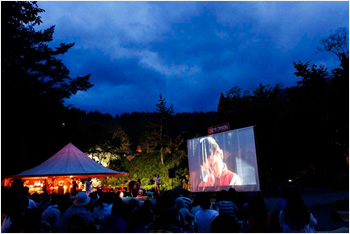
290,181
71,176
121,194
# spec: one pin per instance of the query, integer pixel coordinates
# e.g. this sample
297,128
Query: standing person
156,186
184,205
74,187
296,217
134,187
51,217
80,185
31,203
166,214
116,221
158,183
225,224
48,186
256,215
66,185
204,217
88,186
226,207
55,185
140,186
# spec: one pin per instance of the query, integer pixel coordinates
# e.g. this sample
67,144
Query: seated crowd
172,211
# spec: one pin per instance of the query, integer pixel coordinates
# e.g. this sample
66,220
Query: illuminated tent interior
66,164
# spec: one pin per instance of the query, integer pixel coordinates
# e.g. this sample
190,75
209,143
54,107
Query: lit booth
58,172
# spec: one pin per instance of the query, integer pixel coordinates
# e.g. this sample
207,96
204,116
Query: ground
323,203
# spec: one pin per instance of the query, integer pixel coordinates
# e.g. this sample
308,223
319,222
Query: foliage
111,150
313,76
28,57
300,130
34,84
146,166
300,127
155,135
114,181
337,43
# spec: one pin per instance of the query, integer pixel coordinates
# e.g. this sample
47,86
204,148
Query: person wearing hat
184,205
78,208
149,196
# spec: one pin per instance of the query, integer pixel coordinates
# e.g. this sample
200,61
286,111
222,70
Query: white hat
81,199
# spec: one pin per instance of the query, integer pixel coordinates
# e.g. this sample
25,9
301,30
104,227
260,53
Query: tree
34,84
147,165
154,135
28,61
120,141
264,92
313,76
112,149
164,114
337,43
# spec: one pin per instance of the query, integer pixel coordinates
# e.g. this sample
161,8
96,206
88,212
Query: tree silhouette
164,114
298,128
34,84
337,43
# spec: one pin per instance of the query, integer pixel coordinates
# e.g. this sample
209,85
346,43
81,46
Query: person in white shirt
88,186
204,217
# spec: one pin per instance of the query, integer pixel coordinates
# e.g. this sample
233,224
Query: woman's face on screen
216,163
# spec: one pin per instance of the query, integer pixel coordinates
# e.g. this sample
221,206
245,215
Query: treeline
144,144
302,132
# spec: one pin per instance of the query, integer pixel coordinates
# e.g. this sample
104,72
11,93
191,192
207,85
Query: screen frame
194,173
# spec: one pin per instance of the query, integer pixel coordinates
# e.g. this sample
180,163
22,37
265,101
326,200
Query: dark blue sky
188,51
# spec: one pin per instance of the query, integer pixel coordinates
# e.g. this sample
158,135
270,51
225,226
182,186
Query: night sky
190,52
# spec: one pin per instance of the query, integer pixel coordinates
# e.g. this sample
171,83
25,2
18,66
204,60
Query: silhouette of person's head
222,196
225,224
204,202
77,224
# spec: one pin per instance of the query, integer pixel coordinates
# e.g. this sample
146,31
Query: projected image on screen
224,160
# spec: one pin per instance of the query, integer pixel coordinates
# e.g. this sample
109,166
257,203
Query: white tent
69,161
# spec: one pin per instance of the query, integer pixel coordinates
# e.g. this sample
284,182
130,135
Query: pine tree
164,114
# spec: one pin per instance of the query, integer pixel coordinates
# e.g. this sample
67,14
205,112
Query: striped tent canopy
69,161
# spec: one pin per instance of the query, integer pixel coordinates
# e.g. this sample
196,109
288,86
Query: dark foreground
324,203
171,211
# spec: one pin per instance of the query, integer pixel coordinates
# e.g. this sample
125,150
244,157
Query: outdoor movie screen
224,160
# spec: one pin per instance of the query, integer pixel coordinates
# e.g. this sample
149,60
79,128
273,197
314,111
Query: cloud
188,51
